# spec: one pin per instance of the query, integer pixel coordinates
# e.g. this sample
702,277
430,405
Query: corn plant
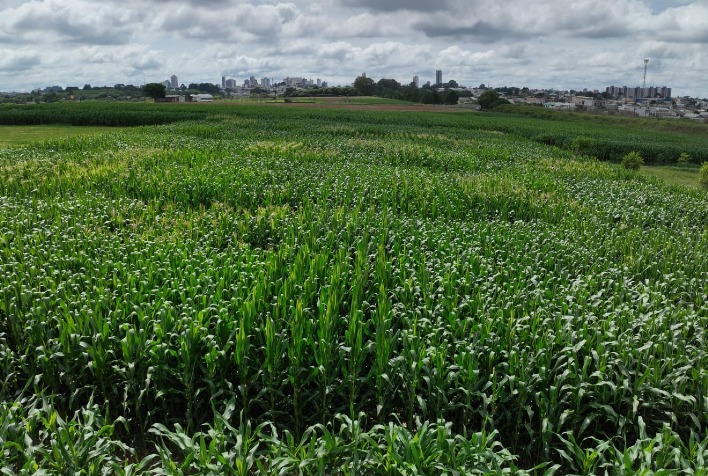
250,289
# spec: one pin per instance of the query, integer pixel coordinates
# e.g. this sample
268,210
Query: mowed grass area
20,135
271,290
686,175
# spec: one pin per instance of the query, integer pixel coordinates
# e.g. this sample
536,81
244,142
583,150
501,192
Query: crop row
488,292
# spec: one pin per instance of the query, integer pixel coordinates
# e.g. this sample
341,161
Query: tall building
416,81
223,82
438,76
652,92
173,82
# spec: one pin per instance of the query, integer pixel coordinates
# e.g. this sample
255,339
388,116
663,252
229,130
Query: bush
683,159
632,161
581,145
703,175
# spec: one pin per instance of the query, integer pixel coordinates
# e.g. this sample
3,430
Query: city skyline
555,44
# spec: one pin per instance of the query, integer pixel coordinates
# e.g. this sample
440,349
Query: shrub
581,145
703,175
683,159
632,161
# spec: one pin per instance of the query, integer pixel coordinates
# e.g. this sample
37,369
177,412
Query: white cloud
77,22
547,43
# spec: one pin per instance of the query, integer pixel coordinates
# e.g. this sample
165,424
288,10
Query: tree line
392,89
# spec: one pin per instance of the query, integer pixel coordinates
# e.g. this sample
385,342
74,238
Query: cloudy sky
565,44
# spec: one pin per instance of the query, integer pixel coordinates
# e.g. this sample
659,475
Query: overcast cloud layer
564,44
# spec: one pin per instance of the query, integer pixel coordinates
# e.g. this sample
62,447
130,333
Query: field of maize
262,290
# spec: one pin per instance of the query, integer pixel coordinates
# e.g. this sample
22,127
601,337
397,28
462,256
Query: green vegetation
659,141
703,174
99,114
632,161
611,138
685,175
392,89
21,135
490,99
278,290
87,93
155,90
581,145
683,159
373,100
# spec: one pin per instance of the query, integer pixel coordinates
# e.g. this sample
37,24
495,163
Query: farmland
20,135
263,289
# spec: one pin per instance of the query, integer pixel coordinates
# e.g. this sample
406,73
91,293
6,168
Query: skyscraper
173,82
416,81
438,76
223,82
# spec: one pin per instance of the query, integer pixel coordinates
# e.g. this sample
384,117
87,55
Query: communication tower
644,84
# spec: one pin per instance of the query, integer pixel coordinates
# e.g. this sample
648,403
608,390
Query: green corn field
263,290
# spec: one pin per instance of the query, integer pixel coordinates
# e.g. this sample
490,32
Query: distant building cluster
269,83
652,101
652,92
171,83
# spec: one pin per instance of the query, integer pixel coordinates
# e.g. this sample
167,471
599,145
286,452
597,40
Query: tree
490,99
450,97
426,96
364,86
155,91
452,84
209,88
388,84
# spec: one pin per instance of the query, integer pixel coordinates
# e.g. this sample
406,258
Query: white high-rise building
174,84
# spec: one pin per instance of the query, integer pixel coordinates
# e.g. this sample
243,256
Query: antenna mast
644,84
